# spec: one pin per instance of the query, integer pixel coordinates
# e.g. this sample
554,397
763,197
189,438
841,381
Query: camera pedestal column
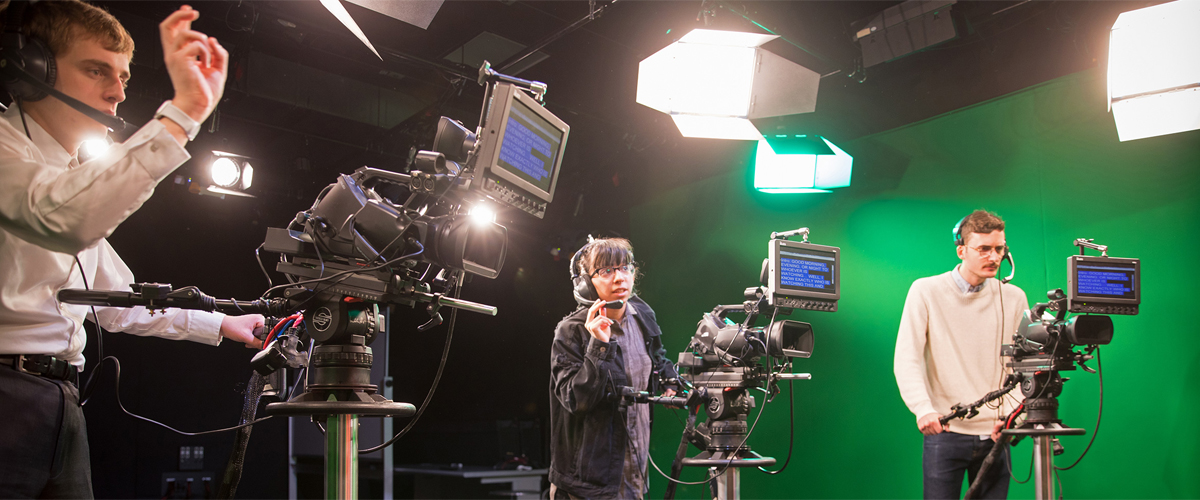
341,456
339,390
728,485
1043,463
1043,425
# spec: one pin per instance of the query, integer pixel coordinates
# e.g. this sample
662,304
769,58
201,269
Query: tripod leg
677,466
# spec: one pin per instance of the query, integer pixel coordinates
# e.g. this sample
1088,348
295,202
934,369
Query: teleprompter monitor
1103,285
521,150
803,275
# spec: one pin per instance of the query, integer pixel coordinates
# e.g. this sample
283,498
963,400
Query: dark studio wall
1046,159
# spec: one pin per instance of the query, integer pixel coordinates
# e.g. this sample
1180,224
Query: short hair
60,23
980,221
605,252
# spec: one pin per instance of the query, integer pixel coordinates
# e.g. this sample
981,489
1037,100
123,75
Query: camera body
1044,345
1105,285
366,234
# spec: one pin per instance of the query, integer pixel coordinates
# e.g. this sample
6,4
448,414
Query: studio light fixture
1153,70
800,164
223,174
713,82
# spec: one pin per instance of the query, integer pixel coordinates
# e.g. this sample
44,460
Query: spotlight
800,164
231,171
225,174
1153,78
713,82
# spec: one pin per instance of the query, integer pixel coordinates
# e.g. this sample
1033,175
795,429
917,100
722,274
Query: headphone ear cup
585,292
958,239
35,58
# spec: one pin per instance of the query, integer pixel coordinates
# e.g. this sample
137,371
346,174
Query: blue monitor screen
808,270
1105,281
529,146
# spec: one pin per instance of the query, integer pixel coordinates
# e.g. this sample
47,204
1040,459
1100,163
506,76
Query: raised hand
598,323
196,62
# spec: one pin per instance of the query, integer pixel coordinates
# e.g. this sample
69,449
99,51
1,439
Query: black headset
960,241
584,291
28,69
26,54
958,237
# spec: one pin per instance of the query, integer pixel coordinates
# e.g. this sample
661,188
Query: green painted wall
1047,159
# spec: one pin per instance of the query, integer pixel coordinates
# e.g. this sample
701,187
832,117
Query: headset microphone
12,70
1012,266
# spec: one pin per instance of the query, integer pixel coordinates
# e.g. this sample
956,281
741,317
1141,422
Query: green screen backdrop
1048,161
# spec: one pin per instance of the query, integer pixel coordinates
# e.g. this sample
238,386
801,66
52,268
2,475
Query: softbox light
800,164
1153,70
713,82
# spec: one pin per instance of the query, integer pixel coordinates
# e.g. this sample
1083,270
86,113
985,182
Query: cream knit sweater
948,348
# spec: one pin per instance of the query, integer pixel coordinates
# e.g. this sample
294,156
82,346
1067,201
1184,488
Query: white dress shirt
53,209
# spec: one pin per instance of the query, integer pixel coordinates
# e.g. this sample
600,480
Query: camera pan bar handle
465,305
968,411
160,296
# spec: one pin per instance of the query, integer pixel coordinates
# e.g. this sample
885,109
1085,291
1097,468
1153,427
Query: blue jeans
948,455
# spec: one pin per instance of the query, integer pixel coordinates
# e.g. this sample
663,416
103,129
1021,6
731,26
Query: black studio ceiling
304,91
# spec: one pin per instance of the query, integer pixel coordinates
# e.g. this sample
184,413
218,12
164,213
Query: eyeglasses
988,249
607,272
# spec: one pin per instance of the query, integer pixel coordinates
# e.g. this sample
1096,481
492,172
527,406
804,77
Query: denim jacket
587,424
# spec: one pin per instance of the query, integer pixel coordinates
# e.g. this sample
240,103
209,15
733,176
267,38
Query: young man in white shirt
948,351
55,214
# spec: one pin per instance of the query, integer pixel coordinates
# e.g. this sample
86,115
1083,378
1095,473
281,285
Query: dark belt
43,365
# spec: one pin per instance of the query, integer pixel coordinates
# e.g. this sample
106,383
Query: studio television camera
382,238
377,236
725,360
1044,346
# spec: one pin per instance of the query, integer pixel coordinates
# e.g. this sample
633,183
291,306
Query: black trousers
43,438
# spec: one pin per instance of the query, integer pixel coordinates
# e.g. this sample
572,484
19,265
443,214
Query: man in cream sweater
948,351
